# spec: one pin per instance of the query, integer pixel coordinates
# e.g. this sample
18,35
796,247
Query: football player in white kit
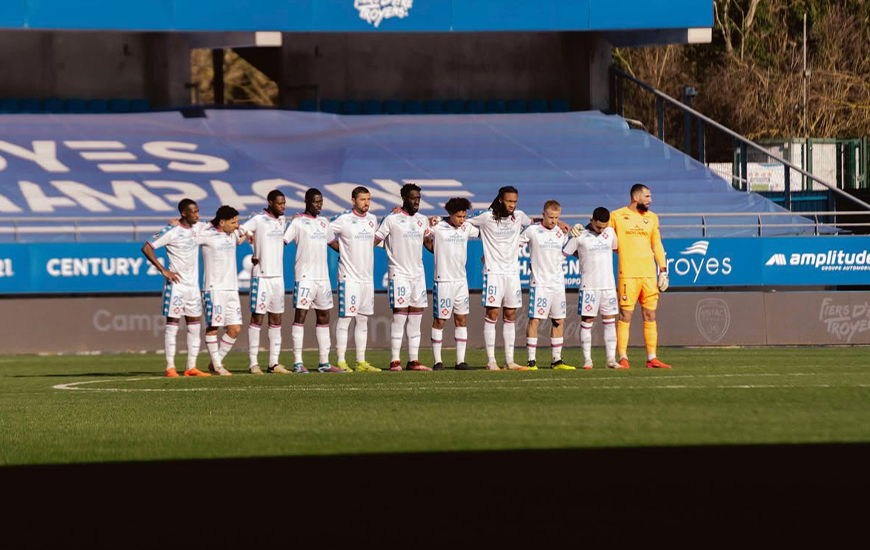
267,280
312,233
594,246
404,234
547,285
220,285
354,232
181,288
450,289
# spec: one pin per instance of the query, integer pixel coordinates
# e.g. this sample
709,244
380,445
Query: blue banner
51,268
355,15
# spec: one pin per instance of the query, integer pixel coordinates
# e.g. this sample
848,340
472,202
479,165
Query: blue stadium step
393,107
372,107
308,105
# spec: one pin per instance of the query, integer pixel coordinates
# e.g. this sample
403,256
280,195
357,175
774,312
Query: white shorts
181,300
594,301
449,297
267,295
222,308
308,293
547,302
502,290
355,297
408,293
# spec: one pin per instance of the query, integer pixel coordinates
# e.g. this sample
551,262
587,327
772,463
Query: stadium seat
475,107
538,106
413,107
9,105
433,107
495,106
75,106
308,105
330,106
30,105
559,106
52,106
351,107
517,106
393,107
140,106
97,106
372,107
454,106
119,106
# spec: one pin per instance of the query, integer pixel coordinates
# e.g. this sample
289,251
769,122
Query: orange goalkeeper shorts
644,289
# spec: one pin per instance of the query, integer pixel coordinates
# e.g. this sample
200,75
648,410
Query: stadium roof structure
143,164
357,15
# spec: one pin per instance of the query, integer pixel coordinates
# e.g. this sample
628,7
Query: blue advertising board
53,268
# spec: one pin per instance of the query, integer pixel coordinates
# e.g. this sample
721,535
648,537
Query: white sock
461,342
397,331
415,319
298,332
610,338
586,339
489,339
211,344
274,344
322,333
361,336
509,333
253,343
556,343
192,343
531,347
226,345
169,344
342,328
437,335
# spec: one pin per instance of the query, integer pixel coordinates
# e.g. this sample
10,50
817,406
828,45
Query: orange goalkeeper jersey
640,242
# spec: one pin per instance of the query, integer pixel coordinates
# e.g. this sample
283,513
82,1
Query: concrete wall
69,325
44,64
425,66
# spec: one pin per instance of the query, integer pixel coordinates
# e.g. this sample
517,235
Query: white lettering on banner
263,187
830,260
186,190
843,320
6,267
227,195
38,201
105,321
694,267
203,163
125,195
375,11
93,267
44,154
7,206
98,152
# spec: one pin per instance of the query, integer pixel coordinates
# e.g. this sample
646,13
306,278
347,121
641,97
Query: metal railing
136,227
743,144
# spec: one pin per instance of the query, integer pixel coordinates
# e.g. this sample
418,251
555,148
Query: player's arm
477,218
335,227
383,231
148,251
291,232
571,248
429,243
331,237
658,248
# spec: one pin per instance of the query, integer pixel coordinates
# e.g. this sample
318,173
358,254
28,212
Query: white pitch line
417,387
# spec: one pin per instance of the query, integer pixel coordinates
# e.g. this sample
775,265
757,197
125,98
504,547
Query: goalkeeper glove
576,230
663,281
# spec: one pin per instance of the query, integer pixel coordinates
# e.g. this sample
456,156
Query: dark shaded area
709,496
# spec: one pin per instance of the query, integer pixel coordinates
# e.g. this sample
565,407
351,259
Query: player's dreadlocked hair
498,209
457,204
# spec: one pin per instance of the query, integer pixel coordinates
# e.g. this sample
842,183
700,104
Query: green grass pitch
71,409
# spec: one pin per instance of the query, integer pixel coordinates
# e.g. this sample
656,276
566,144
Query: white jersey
268,232
545,249
451,250
596,258
403,236
220,270
182,249
501,240
311,235
356,237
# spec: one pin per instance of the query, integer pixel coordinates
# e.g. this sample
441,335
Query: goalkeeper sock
622,338
651,336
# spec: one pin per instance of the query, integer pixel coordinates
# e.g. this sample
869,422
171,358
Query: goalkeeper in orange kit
640,250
